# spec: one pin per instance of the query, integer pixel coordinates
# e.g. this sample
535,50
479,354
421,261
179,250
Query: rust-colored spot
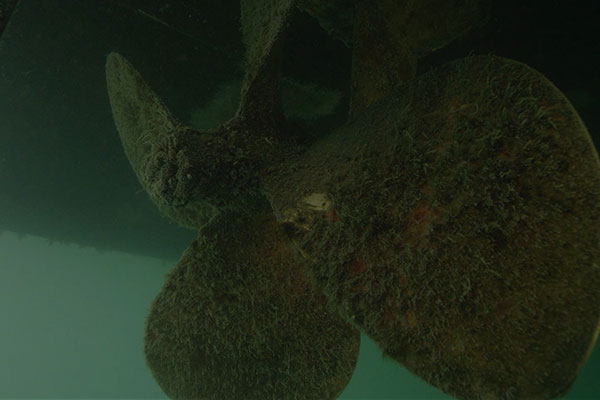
402,280
330,215
442,148
505,308
427,190
420,212
423,214
505,154
419,219
356,267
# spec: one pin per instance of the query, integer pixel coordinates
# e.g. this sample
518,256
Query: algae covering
458,228
191,175
453,219
239,318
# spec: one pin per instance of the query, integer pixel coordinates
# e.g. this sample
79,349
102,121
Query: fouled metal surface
452,218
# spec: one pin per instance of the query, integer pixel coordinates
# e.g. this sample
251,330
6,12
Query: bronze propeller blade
456,223
238,318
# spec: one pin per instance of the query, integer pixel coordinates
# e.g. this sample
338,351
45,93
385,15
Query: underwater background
83,251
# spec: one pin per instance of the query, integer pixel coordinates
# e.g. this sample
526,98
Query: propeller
453,219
